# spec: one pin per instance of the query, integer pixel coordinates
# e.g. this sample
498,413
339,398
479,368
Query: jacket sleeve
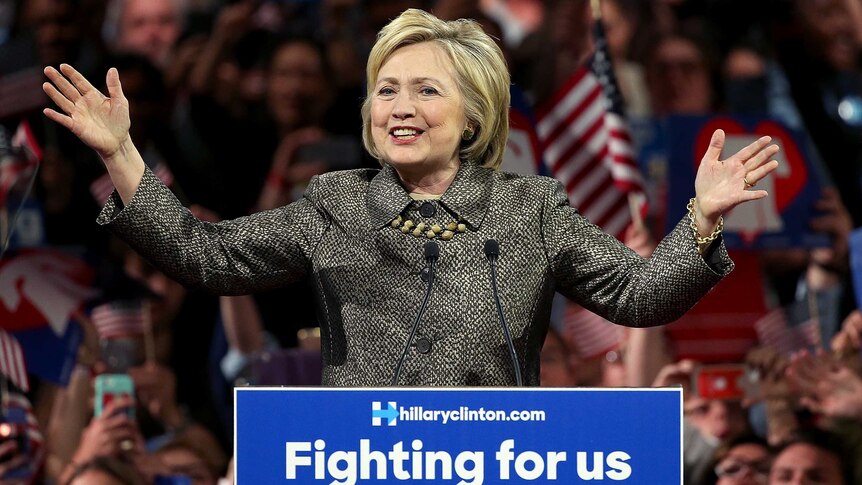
257,252
603,275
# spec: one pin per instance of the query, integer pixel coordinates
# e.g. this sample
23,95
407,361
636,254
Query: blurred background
235,105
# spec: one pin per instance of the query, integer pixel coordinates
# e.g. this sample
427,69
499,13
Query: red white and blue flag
523,153
774,330
587,145
592,335
19,157
41,292
12,361
119,318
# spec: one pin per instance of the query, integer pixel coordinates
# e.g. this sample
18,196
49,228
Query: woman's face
679,80
745,464
829,32
296,90
715,418
417,111
150,28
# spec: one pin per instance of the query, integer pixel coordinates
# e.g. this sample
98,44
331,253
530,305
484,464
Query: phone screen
110,387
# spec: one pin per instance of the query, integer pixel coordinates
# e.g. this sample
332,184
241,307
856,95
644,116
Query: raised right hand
101,122
109,434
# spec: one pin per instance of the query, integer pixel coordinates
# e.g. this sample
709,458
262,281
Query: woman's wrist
119,154
706,222
697,222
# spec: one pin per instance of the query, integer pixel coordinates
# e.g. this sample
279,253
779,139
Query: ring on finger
748,184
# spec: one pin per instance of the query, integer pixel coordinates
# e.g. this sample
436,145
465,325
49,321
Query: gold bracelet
715,233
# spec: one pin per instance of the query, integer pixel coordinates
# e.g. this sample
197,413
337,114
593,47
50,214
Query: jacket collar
467,197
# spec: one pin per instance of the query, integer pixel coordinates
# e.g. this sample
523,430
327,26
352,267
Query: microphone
492,252
432,253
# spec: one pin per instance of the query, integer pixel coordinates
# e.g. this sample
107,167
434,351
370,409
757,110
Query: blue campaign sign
778,221
465,436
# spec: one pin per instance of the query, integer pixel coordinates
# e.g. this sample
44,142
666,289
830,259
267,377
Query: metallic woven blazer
347,235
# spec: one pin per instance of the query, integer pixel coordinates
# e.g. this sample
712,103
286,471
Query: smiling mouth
405,133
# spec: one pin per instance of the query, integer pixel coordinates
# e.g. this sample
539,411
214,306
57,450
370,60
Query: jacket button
425,274
427,209
423,345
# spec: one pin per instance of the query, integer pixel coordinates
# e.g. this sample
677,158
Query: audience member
149,28
810,457
743,460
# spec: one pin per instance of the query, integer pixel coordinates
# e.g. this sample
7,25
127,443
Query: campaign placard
780,220
463,436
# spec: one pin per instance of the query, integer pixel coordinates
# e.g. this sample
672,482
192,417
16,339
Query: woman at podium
435,269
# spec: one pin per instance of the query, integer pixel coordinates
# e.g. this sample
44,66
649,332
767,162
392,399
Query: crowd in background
237,104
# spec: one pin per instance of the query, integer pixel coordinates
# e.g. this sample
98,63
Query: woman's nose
404,107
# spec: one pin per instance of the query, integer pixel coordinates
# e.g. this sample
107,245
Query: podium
463,436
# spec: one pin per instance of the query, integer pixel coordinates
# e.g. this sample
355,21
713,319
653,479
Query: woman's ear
468,132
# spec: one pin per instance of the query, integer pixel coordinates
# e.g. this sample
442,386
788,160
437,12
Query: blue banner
856,264
458,436
51,356
778,221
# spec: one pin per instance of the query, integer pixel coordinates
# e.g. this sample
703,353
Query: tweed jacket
367,274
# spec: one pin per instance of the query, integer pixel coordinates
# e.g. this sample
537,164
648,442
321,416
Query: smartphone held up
111,387
725,381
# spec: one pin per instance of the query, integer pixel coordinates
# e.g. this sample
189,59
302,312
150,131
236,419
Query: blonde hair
480,72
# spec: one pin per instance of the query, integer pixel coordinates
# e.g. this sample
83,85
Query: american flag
102,187
587,144
119,318
19,157
591,334
17,410
12,361
773,330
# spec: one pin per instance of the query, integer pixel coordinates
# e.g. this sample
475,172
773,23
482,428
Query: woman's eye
428,91
386,91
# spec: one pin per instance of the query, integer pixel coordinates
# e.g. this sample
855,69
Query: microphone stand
432,252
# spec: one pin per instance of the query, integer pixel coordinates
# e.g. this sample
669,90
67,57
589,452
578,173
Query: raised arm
248,254
101,122
600,273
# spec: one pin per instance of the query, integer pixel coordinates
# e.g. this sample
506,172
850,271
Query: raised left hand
827,386
721,185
